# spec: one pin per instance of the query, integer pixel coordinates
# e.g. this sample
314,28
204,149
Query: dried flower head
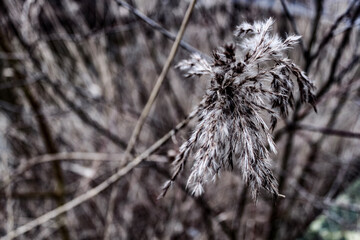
246,85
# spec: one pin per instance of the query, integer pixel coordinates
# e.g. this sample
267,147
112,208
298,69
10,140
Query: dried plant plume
248,81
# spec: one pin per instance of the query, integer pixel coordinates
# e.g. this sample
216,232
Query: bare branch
327,131
154,93
85,117
159,28
331,32
96,190
293,23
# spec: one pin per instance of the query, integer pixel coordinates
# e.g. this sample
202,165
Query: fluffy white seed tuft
231,132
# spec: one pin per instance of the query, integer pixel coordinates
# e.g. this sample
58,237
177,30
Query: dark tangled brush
245,84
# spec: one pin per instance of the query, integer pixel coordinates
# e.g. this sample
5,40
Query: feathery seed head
231,132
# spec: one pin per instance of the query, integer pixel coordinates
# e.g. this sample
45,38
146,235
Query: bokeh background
76,75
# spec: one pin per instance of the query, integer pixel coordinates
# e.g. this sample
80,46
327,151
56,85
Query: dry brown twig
153,24
120,172
293,23
70,156
96,190
59,157
327,131
159,81
139,124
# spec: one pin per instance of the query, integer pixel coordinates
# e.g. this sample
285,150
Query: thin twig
159,28
316,146
139,124
84,116
353,63
207,210
59,157
338,55
81,114
159,81
79,38
327,131
96,190
242,201
289,144
48,138
70,156
340,179
315,26
324,203
331,32
293,24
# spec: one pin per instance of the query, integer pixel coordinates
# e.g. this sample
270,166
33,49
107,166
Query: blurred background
76,75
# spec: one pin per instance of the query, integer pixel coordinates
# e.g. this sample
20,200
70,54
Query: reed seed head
249,80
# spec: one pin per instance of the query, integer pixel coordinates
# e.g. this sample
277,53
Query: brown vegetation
93,114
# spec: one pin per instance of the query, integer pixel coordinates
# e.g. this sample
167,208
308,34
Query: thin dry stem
96,190
144,114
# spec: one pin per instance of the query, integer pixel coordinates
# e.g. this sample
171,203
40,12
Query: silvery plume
249,82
